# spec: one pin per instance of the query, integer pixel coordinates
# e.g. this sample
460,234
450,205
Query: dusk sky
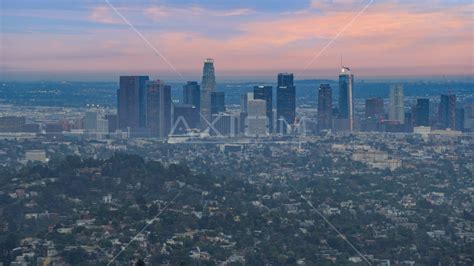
80,39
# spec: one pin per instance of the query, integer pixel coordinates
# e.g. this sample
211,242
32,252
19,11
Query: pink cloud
409,41
198,13
104,14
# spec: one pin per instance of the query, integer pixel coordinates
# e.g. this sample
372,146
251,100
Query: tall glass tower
324,107
422,112
158,106
346,108
396,107
447,111
286,101
131,105
208,85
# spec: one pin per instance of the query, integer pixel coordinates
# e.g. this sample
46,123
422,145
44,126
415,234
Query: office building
409,121
12,123
265,93
459,125
112,122
54,128
185,117
285,80
447,111
217,102
324,107
257,124
243,111
208,85
158,109
226,125
396,104
102,127
346,108
90,120
374,108
192,94
132,103
422,112
469,117
286,102
95,124
374,115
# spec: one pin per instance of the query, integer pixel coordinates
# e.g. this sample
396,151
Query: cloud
104,14
237,12
159,12
389,35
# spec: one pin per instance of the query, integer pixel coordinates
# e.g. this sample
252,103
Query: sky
87,39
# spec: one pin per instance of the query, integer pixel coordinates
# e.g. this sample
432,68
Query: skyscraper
286,101
374,114
285,79
447,111
422,113
95,124
131,102
257,117
112,122
346,109
460,119
396,104
192,94
374,108
244,99
265,93
469,117
158,108
324,107
208,85
217,102
90,120
185,115
226,124
243,110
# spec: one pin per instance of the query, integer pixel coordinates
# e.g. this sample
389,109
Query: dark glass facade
422,112
285,80
131,103
374,108
286,100
447,111
192,94
158,109
324,107
217,102
189,113
460,119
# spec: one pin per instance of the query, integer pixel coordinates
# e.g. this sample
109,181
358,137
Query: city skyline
68,38
236,132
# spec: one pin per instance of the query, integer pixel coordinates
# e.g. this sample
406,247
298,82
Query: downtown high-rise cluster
398,119
146,109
